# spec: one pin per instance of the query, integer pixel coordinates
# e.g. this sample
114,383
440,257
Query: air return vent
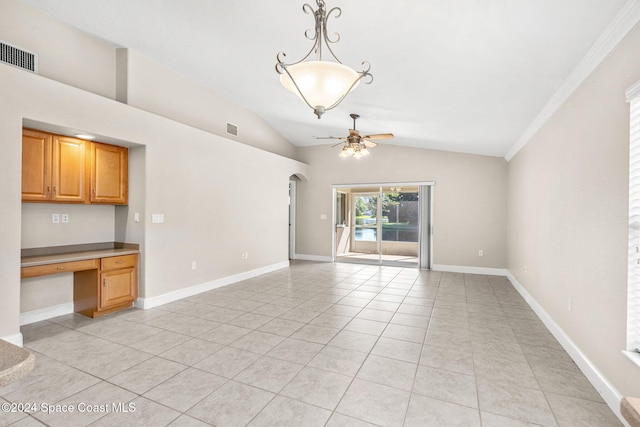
17,57
232,129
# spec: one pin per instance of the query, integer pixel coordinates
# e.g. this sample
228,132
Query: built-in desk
105,275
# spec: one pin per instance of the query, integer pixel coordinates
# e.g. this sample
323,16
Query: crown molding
620,26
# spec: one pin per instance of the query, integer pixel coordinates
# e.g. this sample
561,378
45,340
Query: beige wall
87,224
64,53
219,197
568,190
156,89
198,180
469,199
83,61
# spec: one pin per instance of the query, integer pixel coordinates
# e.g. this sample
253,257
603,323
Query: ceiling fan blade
328,137
369,144
379,136
335,145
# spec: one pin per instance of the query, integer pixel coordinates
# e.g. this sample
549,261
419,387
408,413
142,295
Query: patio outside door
366,236
382,225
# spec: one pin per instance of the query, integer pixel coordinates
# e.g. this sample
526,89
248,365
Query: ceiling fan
354,144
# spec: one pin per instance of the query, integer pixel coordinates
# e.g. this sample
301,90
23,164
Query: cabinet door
69,170
109,174
118,287
36,165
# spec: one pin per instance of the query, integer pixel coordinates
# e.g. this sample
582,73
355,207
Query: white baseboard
470,270
15,339
608,392
45,313
319,258
146,303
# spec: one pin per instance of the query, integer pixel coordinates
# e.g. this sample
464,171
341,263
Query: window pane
366,218
400,216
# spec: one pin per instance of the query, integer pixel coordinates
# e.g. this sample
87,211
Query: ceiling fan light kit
355,145
321,84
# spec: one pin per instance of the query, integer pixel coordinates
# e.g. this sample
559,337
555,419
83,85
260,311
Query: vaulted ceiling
457,75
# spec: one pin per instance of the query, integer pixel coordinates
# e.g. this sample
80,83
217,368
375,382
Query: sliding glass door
366,236
382,225
400,226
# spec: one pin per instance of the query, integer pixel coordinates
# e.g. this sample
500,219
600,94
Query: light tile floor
315,344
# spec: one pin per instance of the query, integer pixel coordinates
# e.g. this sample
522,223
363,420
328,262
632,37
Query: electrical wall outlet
193,265
65,218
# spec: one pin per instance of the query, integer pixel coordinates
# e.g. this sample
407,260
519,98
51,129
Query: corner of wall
122,75
602,385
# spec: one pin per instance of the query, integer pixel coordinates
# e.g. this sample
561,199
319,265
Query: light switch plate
55,218
157,218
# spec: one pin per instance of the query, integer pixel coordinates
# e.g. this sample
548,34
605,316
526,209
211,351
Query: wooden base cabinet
118,281
112,288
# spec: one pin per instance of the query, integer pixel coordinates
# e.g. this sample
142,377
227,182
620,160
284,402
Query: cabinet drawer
115,262
61,267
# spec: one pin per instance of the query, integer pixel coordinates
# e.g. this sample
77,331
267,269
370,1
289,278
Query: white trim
633,91
622,23
292,218
334,230
602,385
633,269
320,258
15,339
384,184
46,313
633,356
470,270
146,303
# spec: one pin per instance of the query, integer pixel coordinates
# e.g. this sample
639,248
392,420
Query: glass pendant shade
320,83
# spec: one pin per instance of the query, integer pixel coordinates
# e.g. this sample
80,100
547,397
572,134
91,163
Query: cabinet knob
61,267
54,190
104,282
48,190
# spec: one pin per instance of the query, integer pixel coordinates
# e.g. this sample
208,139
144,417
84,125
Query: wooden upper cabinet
61,169
69,175
36,165
109,174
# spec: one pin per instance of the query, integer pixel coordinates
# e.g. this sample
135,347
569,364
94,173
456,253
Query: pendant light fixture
321,84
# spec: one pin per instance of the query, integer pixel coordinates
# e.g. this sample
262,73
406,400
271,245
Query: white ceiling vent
13,55
232,129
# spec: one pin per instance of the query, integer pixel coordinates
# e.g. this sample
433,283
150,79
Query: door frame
423,227
292,219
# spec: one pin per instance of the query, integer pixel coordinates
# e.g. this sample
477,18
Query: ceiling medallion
321,84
